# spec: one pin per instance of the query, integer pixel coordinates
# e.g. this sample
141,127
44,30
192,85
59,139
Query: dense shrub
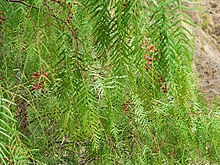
101,82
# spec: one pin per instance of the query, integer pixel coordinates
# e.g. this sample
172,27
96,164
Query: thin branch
73,31
23,3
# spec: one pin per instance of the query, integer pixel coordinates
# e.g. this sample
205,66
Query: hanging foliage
101,82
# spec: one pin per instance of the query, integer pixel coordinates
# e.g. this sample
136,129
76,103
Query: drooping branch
23,3
73,31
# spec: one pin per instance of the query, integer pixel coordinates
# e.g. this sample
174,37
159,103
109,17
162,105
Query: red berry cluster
162,80
1,18
69,17
150,59
37,76
149,62
126,106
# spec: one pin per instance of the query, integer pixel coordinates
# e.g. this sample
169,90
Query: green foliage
92,100
11,147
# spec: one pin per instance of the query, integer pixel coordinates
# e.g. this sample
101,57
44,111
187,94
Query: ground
207,47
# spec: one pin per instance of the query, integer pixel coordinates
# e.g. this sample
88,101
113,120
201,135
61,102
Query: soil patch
207,46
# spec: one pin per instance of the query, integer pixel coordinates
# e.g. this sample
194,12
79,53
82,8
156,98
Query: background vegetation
101,82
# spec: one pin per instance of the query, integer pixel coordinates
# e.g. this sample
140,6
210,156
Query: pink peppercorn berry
150,59
150,48
147,67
